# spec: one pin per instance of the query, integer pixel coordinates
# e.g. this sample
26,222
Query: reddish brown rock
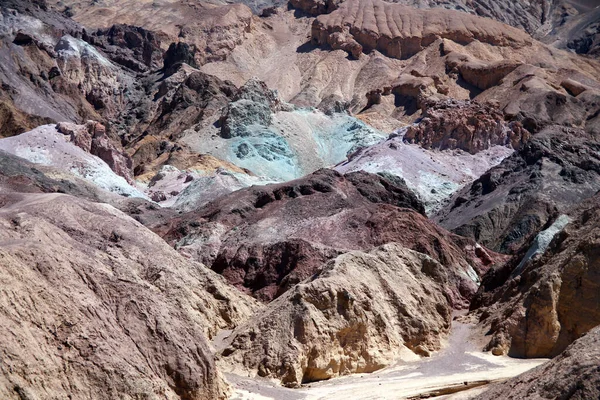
466,125
400,32
265,239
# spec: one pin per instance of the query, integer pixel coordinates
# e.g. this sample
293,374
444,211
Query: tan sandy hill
358,314
96,305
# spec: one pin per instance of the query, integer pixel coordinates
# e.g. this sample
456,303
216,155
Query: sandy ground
460,364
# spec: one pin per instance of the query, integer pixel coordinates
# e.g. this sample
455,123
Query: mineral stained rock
265,239
510,203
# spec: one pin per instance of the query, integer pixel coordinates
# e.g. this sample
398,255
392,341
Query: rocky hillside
88,291
267,239
196,191
537,307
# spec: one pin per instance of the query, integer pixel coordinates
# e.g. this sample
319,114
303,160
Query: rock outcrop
401,32
267,239
95,305
358,314
540,306
573,374
465,125
509,204
47,146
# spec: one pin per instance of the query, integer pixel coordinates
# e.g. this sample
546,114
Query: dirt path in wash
459,371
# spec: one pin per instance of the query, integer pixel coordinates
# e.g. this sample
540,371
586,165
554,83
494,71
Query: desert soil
459,371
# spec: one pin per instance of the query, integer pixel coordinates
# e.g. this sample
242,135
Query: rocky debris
401,32
92,138
433,175
267,239
130,46
88,291
508,205
573,374
361,312
540,306
466,125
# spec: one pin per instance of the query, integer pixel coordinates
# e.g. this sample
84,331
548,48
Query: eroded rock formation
551,298
573,375
510,203
401,32
467,126
358,314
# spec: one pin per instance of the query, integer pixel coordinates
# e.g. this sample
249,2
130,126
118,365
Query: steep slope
94,305
573,374
358,314
538,307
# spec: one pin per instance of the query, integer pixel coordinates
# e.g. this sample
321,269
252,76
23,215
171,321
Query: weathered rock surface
358,314
509,204
573,374
46,145
275,140
401,32
94,305
468,126
213,29
266,239
540,306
